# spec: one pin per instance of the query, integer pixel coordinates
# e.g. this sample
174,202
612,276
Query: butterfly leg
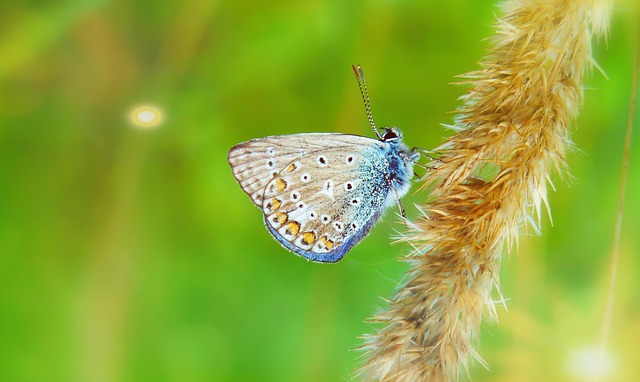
428,153
400,206
404,216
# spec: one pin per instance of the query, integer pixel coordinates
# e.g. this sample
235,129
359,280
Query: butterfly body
321,194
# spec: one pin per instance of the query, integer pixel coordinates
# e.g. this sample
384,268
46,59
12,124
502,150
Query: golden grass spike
515,119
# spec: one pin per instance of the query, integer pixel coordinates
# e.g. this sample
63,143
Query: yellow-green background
133,255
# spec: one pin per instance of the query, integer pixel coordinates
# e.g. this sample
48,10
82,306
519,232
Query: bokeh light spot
145,116
591,363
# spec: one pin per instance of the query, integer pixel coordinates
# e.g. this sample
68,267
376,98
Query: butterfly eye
354,226
348,186
295,195
389,135
355,201
271,164
322,160
349,159
312,215
271,151
338,226
305,177
325,219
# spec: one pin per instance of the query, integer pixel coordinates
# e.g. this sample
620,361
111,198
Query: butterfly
321,193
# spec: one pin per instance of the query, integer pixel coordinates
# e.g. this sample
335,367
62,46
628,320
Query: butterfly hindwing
324,202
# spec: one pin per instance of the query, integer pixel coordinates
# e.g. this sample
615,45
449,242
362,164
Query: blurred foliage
132,254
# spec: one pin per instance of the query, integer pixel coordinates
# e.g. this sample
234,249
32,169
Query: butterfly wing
254,163
327,195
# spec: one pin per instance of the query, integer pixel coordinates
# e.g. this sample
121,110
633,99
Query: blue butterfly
321,193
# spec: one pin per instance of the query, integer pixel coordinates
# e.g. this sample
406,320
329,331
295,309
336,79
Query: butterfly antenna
362,84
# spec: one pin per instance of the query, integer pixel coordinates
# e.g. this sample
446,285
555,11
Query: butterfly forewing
254,163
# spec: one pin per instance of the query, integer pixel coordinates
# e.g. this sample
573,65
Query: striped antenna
362,84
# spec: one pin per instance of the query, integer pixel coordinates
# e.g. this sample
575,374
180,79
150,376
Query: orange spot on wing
281,184
329,244
291,168
308,238
282,217
275,203
293,228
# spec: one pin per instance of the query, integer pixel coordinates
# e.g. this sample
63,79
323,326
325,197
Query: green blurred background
131,254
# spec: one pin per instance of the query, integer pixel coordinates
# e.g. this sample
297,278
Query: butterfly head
393,135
